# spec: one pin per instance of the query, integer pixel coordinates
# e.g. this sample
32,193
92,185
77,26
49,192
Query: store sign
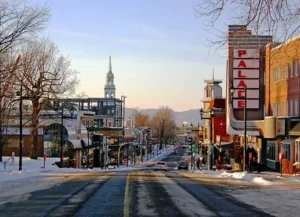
246,73
246,53
251,104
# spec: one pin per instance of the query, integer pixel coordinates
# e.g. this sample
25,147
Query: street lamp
245,120
211,114
123,124
34,88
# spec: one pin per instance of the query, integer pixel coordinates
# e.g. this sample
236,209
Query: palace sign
246,73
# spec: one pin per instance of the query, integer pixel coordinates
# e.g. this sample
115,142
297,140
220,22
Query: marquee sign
246,73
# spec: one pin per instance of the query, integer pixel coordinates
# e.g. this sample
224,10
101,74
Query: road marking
126,197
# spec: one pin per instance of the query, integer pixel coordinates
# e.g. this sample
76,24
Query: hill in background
190,116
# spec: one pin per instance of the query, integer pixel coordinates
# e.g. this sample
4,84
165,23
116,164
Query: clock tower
109,89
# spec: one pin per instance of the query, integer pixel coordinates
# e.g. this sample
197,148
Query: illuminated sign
245,72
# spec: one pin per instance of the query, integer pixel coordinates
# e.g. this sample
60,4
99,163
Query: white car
161,165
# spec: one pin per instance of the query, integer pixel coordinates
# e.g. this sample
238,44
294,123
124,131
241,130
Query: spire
213,75
109,66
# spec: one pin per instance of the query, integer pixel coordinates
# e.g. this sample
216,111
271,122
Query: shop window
297,156
271,150
286,150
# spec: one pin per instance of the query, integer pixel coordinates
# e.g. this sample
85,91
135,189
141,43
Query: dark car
183,166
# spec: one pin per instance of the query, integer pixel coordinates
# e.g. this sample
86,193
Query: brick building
282,95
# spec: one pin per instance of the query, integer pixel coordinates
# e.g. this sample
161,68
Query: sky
159,49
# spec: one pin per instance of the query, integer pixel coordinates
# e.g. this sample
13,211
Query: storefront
272,154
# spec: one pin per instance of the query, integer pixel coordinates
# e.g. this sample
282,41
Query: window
287,70
296,108
297,154
291,69
287,108
291,107
286,150
275,113
271,150
282,70
295,67
281,109
208,92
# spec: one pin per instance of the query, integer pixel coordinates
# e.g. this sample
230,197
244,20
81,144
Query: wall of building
284,78
219,128
12,144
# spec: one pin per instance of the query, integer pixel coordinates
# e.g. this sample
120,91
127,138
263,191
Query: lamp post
34,88
123,124
211,114
245,121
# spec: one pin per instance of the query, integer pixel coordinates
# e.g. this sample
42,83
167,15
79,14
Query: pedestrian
198,163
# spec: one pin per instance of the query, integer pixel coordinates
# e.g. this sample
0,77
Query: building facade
282,96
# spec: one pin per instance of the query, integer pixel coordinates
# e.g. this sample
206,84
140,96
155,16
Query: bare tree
19,21
140,119
43,67
162,123
7,77
274,17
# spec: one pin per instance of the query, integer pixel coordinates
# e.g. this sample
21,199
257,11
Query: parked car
161,165
182,166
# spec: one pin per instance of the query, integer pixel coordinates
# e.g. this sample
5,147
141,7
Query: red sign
246,53
45,156
281,156
246,64
240,104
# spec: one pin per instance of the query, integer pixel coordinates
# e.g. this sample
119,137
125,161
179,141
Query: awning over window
76,143
295,131
298,139
287,141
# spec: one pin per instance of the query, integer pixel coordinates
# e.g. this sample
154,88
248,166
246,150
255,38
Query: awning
223,144
76,143
287,141
85,141
295,131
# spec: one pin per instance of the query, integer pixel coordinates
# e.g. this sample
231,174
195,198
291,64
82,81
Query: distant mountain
190,116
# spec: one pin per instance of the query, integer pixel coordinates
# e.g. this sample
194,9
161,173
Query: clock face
110,83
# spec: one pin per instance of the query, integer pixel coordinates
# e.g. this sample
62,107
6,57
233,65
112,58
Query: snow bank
207,172
293,178
246,176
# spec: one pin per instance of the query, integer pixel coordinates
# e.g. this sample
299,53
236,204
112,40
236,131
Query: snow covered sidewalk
265,178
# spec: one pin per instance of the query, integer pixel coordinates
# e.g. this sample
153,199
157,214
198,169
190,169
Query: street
138,192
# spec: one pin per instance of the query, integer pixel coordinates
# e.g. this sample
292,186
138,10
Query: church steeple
110,89
109,66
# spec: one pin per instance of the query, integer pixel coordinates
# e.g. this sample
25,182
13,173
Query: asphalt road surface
137,193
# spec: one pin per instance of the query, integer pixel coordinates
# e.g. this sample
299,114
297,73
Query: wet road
138,192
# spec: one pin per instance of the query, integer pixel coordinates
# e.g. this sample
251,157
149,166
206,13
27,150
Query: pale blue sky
158,49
